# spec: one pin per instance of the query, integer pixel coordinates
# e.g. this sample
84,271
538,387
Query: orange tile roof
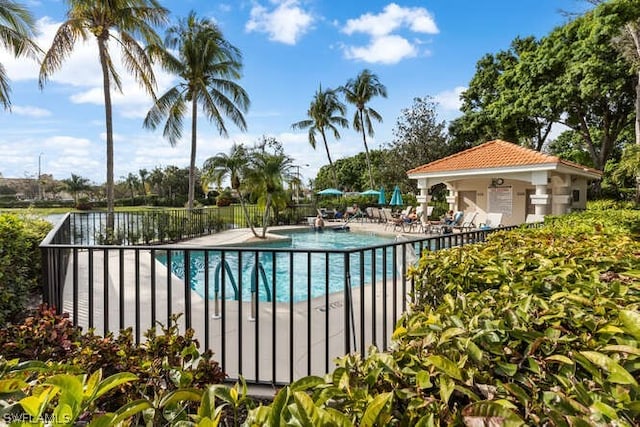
493,154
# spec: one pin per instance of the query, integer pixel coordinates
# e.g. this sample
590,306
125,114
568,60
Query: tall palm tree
207,66
325,112
232,166
120,21
17,28
359,92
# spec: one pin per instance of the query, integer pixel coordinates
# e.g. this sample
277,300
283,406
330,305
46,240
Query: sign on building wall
500,200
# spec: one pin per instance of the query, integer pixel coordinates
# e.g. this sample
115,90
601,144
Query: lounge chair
414,223
372,214
466,223
377,213
405,221
493,220
389,219
533,218
442,227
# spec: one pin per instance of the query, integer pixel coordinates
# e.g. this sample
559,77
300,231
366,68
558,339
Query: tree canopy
572,77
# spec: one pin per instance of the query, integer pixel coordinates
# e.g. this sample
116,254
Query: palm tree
156,178
232,166
144,174
120,21
325,112
16,30
207,66
75,185
266,176
359,92
133,183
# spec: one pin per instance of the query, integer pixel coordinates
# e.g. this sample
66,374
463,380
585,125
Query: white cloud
450,99
385,46
286,23
392,18
30,111
383,50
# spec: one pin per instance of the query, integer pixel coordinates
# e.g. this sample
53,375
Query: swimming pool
307,268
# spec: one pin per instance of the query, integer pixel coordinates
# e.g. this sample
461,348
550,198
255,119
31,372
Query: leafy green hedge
536,327
19,262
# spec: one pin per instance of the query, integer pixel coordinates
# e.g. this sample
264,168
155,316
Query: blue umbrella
370,193
330,192
396,198
381,197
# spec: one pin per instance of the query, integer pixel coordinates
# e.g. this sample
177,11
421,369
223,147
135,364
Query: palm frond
165,108
17,29
61,48
5,90
137,62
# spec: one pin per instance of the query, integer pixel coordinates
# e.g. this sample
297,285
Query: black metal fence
271,315
172,225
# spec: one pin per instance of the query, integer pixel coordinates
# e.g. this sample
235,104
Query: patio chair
442,227
388,218
416,222
466,223
493,220
533,218
376,215
372,214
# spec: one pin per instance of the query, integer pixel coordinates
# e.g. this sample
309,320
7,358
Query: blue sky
290,47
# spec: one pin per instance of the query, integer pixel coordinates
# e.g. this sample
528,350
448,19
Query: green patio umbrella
396,198
330,192
382,199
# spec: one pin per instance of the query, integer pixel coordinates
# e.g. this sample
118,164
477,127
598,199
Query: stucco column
540,200
452,198
424,197
561,194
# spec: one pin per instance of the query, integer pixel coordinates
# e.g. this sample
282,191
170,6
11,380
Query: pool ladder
257,273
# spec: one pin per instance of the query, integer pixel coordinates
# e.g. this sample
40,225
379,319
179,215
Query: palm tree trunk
333,170
192,161
246,215
265,217
102,48
366,149
637,128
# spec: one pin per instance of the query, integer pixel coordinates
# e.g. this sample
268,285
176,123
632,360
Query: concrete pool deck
281,343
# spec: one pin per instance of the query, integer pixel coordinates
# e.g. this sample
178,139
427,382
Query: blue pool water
298,276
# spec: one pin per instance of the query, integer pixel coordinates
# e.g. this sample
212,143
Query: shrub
164,362
20,264
535,327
